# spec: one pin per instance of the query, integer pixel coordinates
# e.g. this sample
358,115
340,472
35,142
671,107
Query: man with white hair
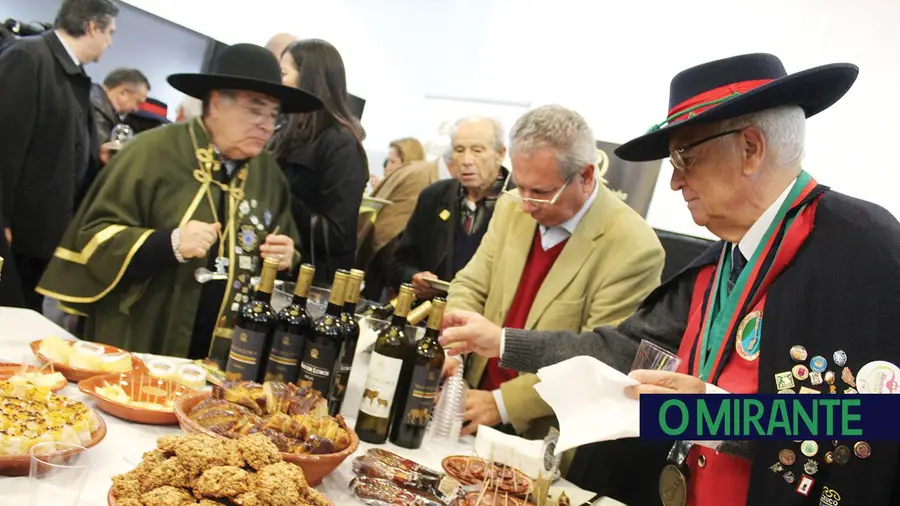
799,295
562,252
452,215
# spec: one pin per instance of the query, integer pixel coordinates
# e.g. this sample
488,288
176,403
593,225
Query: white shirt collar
552,236
68,50
754,236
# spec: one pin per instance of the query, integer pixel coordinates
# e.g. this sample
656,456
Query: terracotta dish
138,387
9,369
315,467
76,374
19,465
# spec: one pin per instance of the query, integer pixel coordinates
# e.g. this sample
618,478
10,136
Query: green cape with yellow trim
159,181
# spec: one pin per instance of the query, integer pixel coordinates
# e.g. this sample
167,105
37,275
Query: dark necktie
737,265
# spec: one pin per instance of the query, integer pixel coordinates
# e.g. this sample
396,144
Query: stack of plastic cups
447,419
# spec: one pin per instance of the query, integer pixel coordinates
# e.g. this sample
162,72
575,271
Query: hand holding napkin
596,410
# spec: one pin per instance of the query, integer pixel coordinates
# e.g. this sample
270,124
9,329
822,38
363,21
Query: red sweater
536,269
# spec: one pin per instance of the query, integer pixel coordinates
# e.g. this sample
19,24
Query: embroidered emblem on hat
784,380
829,497
815,378
748,336
818,363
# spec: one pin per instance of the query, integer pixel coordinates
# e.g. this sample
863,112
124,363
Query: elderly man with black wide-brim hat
200,194
799,296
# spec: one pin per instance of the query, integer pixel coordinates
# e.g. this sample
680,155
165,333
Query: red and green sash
713,334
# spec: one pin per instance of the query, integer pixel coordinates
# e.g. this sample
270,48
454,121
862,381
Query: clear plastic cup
651,356
58,473
449,414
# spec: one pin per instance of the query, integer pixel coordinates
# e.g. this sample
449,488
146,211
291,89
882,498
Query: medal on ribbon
748,336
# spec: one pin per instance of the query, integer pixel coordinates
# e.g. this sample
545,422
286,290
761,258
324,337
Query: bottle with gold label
324,345
381,312
420,313
419,383
351,337
253,330
293,328
392,346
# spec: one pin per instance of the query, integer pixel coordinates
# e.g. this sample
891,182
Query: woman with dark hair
322,156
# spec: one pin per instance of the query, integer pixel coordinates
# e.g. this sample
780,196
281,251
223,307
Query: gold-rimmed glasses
676,157
539,202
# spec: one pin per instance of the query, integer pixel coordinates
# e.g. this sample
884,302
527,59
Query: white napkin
589,400
523,454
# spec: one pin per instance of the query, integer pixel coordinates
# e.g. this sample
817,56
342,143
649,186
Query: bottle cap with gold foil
436,317
354,282
420,313
267,277
404,300
304,280
338,288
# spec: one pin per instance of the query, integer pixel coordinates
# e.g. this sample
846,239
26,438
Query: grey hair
563,130
448,155
499,134
784,128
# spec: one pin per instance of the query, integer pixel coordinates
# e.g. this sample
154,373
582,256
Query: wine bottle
419,384
252,337
351,337
327,336
391,348
420,313
381,312
292,328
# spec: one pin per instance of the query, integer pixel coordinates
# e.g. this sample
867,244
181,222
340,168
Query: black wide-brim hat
736,86
246,67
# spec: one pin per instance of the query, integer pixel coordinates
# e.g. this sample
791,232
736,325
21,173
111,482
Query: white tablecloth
125,441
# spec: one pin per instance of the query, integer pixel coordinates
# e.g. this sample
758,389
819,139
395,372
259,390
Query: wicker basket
315,467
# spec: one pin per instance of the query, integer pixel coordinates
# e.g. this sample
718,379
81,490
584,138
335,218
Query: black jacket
840,292
48,142
327,179
427,242
105,116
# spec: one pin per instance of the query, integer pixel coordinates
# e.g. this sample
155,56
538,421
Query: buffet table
125,441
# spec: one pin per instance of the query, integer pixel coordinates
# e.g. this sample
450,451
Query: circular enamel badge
748,336
878,377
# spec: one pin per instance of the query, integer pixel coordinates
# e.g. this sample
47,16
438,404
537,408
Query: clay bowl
315,467
138,387
19,465
77,374
9,369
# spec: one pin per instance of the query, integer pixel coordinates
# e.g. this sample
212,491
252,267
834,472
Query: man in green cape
200,194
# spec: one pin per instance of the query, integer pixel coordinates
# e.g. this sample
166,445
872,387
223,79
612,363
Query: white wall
612,61
154,46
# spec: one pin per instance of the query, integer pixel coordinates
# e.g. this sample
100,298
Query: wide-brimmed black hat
246,67
732,87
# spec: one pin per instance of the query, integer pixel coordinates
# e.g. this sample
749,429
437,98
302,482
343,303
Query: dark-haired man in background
48,141
121,93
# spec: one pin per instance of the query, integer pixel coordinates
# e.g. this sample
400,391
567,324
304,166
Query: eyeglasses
677,156
539,202
257,116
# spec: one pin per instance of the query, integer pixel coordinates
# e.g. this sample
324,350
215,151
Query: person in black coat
452,216
322,156
48,142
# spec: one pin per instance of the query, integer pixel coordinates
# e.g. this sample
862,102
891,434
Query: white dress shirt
550,237
68,49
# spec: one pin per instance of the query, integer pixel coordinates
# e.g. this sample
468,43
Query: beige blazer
611,262
402,188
